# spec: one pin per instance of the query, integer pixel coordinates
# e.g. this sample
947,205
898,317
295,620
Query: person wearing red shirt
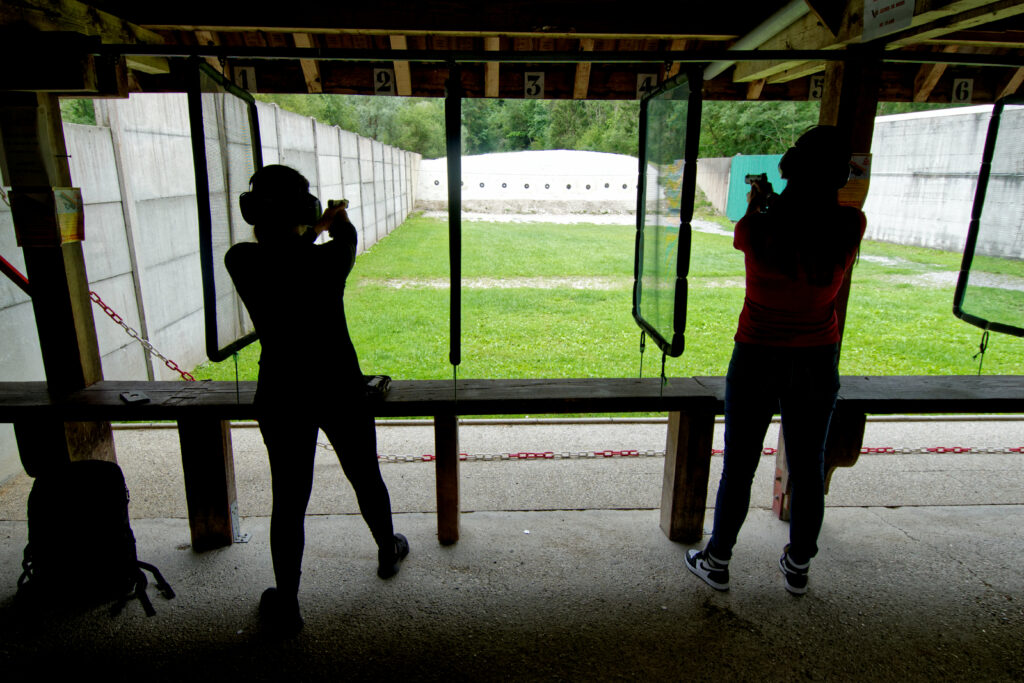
797,247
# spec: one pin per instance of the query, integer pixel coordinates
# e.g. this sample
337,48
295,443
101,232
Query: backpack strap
161,583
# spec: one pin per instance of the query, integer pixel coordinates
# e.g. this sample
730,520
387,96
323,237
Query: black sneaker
714,572
388,559
796,574
280,614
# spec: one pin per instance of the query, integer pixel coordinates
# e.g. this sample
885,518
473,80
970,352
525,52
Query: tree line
500,125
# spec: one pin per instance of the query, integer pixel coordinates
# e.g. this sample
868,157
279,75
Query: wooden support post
446,448
849,102
684,489
209,469
36,162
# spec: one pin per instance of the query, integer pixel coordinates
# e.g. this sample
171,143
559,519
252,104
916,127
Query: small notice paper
882,17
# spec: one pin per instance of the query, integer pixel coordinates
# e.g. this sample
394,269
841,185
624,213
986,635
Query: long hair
806,231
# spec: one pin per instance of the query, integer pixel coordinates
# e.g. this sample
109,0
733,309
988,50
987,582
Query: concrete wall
549,181
713,180
923,179
923,173
142,246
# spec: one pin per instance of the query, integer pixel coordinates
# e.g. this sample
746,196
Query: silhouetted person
309,377
797,248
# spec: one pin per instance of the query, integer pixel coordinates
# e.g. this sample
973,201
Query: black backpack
80,540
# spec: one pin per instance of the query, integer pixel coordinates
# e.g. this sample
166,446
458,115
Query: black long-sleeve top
294,292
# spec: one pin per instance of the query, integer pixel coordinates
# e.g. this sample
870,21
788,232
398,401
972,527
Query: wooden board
173,400
901,394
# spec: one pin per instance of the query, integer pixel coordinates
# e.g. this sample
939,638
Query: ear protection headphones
284,209
807,160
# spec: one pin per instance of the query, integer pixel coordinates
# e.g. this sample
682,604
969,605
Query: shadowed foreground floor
897,594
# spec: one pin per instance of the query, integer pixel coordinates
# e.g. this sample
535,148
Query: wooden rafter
678,45
209,38
754,89
492,70
928,77
403,77
71,15
931,18
1013,84
582,82
310,69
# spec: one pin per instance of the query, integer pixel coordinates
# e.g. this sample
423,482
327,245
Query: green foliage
730,128
397,304
77,111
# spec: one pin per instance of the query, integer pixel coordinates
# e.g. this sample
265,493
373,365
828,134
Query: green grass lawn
900,317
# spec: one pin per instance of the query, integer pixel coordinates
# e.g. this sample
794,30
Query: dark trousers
291,444
801,384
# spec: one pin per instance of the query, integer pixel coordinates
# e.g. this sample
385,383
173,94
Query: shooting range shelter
942,51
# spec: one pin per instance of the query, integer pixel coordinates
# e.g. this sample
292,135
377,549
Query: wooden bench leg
845,438
684,490
209,467
46,443
446,448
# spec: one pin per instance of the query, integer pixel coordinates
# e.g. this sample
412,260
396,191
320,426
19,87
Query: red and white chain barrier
595,455
134,334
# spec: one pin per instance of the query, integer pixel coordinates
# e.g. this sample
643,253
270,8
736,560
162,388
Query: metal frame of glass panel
985,175
211,267
662,260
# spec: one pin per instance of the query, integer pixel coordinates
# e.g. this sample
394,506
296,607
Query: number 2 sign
383,82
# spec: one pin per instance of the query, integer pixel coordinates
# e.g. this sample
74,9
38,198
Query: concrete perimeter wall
713,180
142,247
924,173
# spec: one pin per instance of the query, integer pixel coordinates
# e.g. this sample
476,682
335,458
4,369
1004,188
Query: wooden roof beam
678,45
931,18
210,38
492,70
928,77
403,77
1013,84
582,82
310,68
951,23
71,15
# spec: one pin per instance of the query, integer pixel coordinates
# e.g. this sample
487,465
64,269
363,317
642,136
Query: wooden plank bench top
182,400
203,409
906,394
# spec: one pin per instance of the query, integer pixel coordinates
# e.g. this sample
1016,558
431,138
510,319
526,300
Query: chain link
594,455
134,334
3,196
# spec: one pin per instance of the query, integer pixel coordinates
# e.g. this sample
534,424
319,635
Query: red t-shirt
781,311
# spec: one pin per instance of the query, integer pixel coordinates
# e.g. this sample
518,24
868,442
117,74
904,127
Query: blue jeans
801,384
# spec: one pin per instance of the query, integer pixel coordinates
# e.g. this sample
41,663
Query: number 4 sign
645,83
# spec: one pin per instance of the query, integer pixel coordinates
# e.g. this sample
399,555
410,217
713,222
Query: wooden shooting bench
889,395
203,411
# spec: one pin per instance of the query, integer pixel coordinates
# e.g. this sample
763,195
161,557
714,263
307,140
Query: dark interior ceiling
595,50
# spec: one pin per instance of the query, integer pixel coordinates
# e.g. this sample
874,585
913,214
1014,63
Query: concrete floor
562,572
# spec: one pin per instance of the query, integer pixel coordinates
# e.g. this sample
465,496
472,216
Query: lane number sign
383,81
533,85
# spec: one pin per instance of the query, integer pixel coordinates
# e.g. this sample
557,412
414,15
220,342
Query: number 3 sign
533,85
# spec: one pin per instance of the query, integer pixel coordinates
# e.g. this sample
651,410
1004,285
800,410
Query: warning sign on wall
882,17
